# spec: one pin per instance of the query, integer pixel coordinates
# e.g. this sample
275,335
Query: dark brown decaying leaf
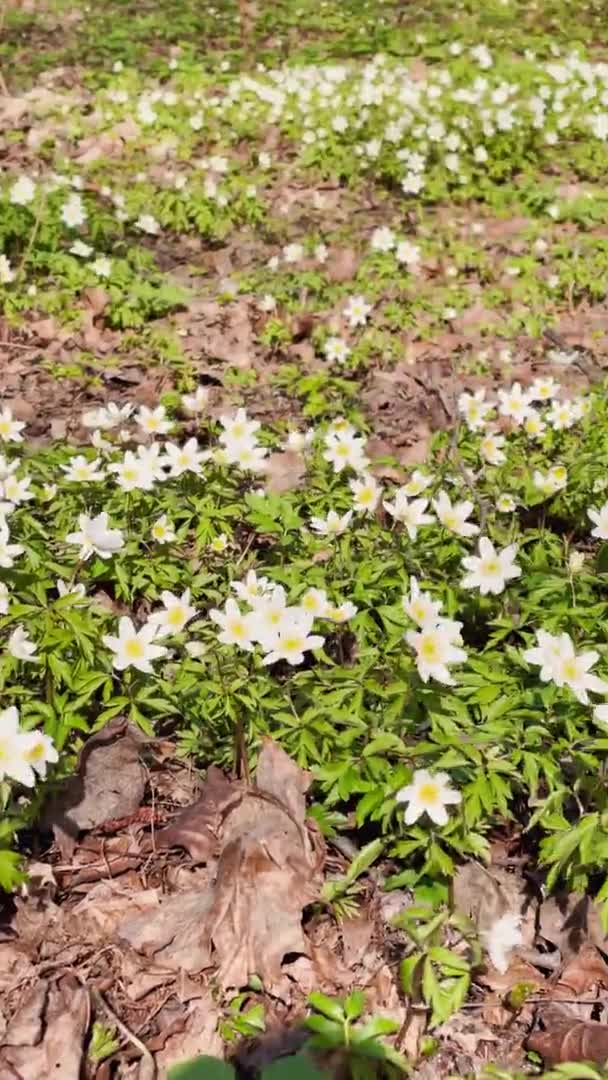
269,868
196,828
109,783
568,1039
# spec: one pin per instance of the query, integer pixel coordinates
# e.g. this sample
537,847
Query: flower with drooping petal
95,537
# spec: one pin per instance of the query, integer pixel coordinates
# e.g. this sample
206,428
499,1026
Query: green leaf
202,1068
329,1007
298,1067
10,873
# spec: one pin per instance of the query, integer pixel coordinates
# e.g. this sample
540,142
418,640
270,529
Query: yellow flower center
237,628
491,566
429,792
5,427
428,649
134,649
36,752
570,670
176,616
129,474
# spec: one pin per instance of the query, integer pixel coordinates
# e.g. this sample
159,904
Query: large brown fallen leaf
569,921
269,867
109,783
568,1039
46,1036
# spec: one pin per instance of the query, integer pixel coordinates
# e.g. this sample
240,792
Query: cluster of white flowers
437,641
521,408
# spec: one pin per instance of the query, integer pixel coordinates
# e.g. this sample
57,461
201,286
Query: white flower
366,493
490,449
186,458
428,793
436,647
252,589
13,762
162,530
408,253
66,588
340,613
153,421
490,571
454,516
6,273
345,449
4,598
82,470
314,602
238,428
196,402
336,349
81,249
292,640
506,504
8,552
73,212
38,751
94,536
553,481
177,612
474,408
235,627
560,663
417,483
411,513
17,491
292,253
22,192
502,936
299,440
561,415
600,519
576,561
102,267
10,430
148,224
219,543
20,646
383,239
134,648
332,525
132,474
420,606
514,403
357,311
534,425
543,389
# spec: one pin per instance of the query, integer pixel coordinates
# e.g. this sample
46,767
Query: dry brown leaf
97,299
586,971
284,471
565,1039
341,265
109,783
569,921
269,869
199,1036
28,1054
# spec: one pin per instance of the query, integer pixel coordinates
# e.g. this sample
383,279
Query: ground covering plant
286,232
